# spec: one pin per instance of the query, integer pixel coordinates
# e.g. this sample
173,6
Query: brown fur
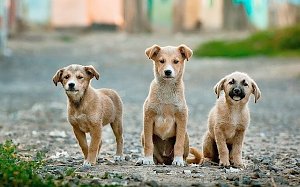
90,109
164,138
228,120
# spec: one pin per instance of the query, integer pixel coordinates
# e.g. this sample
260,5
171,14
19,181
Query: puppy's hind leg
118,132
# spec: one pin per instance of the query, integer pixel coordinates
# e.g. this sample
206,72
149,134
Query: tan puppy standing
164,137
229,119
90,109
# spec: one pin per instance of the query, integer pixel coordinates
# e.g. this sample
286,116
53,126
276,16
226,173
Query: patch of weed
280,42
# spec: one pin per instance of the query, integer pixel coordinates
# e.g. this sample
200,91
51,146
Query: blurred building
153,15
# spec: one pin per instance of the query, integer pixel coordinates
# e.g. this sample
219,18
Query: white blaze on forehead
170,67
71,81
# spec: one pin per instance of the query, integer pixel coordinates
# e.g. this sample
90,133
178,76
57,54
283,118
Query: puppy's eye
175,61
162,61
244,83
232,81
66,77
79,77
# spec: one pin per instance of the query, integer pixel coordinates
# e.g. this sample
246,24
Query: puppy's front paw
238,163
86,164
118,158
178,161
224,163
148,160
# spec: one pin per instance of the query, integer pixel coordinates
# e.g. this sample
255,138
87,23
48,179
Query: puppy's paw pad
145,161
178,161
118,158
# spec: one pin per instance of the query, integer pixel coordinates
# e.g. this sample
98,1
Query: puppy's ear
151,52
219,87
57,77
185,51
256,91
91,71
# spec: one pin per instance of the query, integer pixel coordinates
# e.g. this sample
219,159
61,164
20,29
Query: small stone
256,168
152,183
134,151
117,180
246,180
255,160
273,168
223,184
197,175
255,175
135,156
255,184
231,170
188,172
95,182
127,158
236,182
137,177
266,161
232,177
162,170
198,185
196,171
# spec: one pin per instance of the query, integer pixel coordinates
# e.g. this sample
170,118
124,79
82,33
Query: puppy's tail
198,156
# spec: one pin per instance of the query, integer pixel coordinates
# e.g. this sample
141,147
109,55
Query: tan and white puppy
90,109
229,119
164,137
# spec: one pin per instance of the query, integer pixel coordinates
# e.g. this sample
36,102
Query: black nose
71,85
236,91
168,72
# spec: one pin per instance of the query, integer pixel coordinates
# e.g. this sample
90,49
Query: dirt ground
33,110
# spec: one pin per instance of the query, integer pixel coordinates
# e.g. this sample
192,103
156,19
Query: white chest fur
164,126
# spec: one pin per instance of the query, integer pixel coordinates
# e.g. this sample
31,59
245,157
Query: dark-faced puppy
90,109
229,119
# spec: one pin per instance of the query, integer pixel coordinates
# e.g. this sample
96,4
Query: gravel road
33,110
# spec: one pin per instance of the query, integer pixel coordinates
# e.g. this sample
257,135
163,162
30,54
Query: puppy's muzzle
71,88
237,94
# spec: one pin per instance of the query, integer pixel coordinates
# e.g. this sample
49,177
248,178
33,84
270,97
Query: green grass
281,42
16,170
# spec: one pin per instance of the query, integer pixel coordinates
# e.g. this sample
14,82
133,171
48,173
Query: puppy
90,109
164,137
229,119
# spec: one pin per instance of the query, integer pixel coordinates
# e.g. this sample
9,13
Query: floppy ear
185,51
219,87
151,52
256,91
57,77
91,71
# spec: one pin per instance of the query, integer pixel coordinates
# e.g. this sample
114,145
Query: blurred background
136,16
